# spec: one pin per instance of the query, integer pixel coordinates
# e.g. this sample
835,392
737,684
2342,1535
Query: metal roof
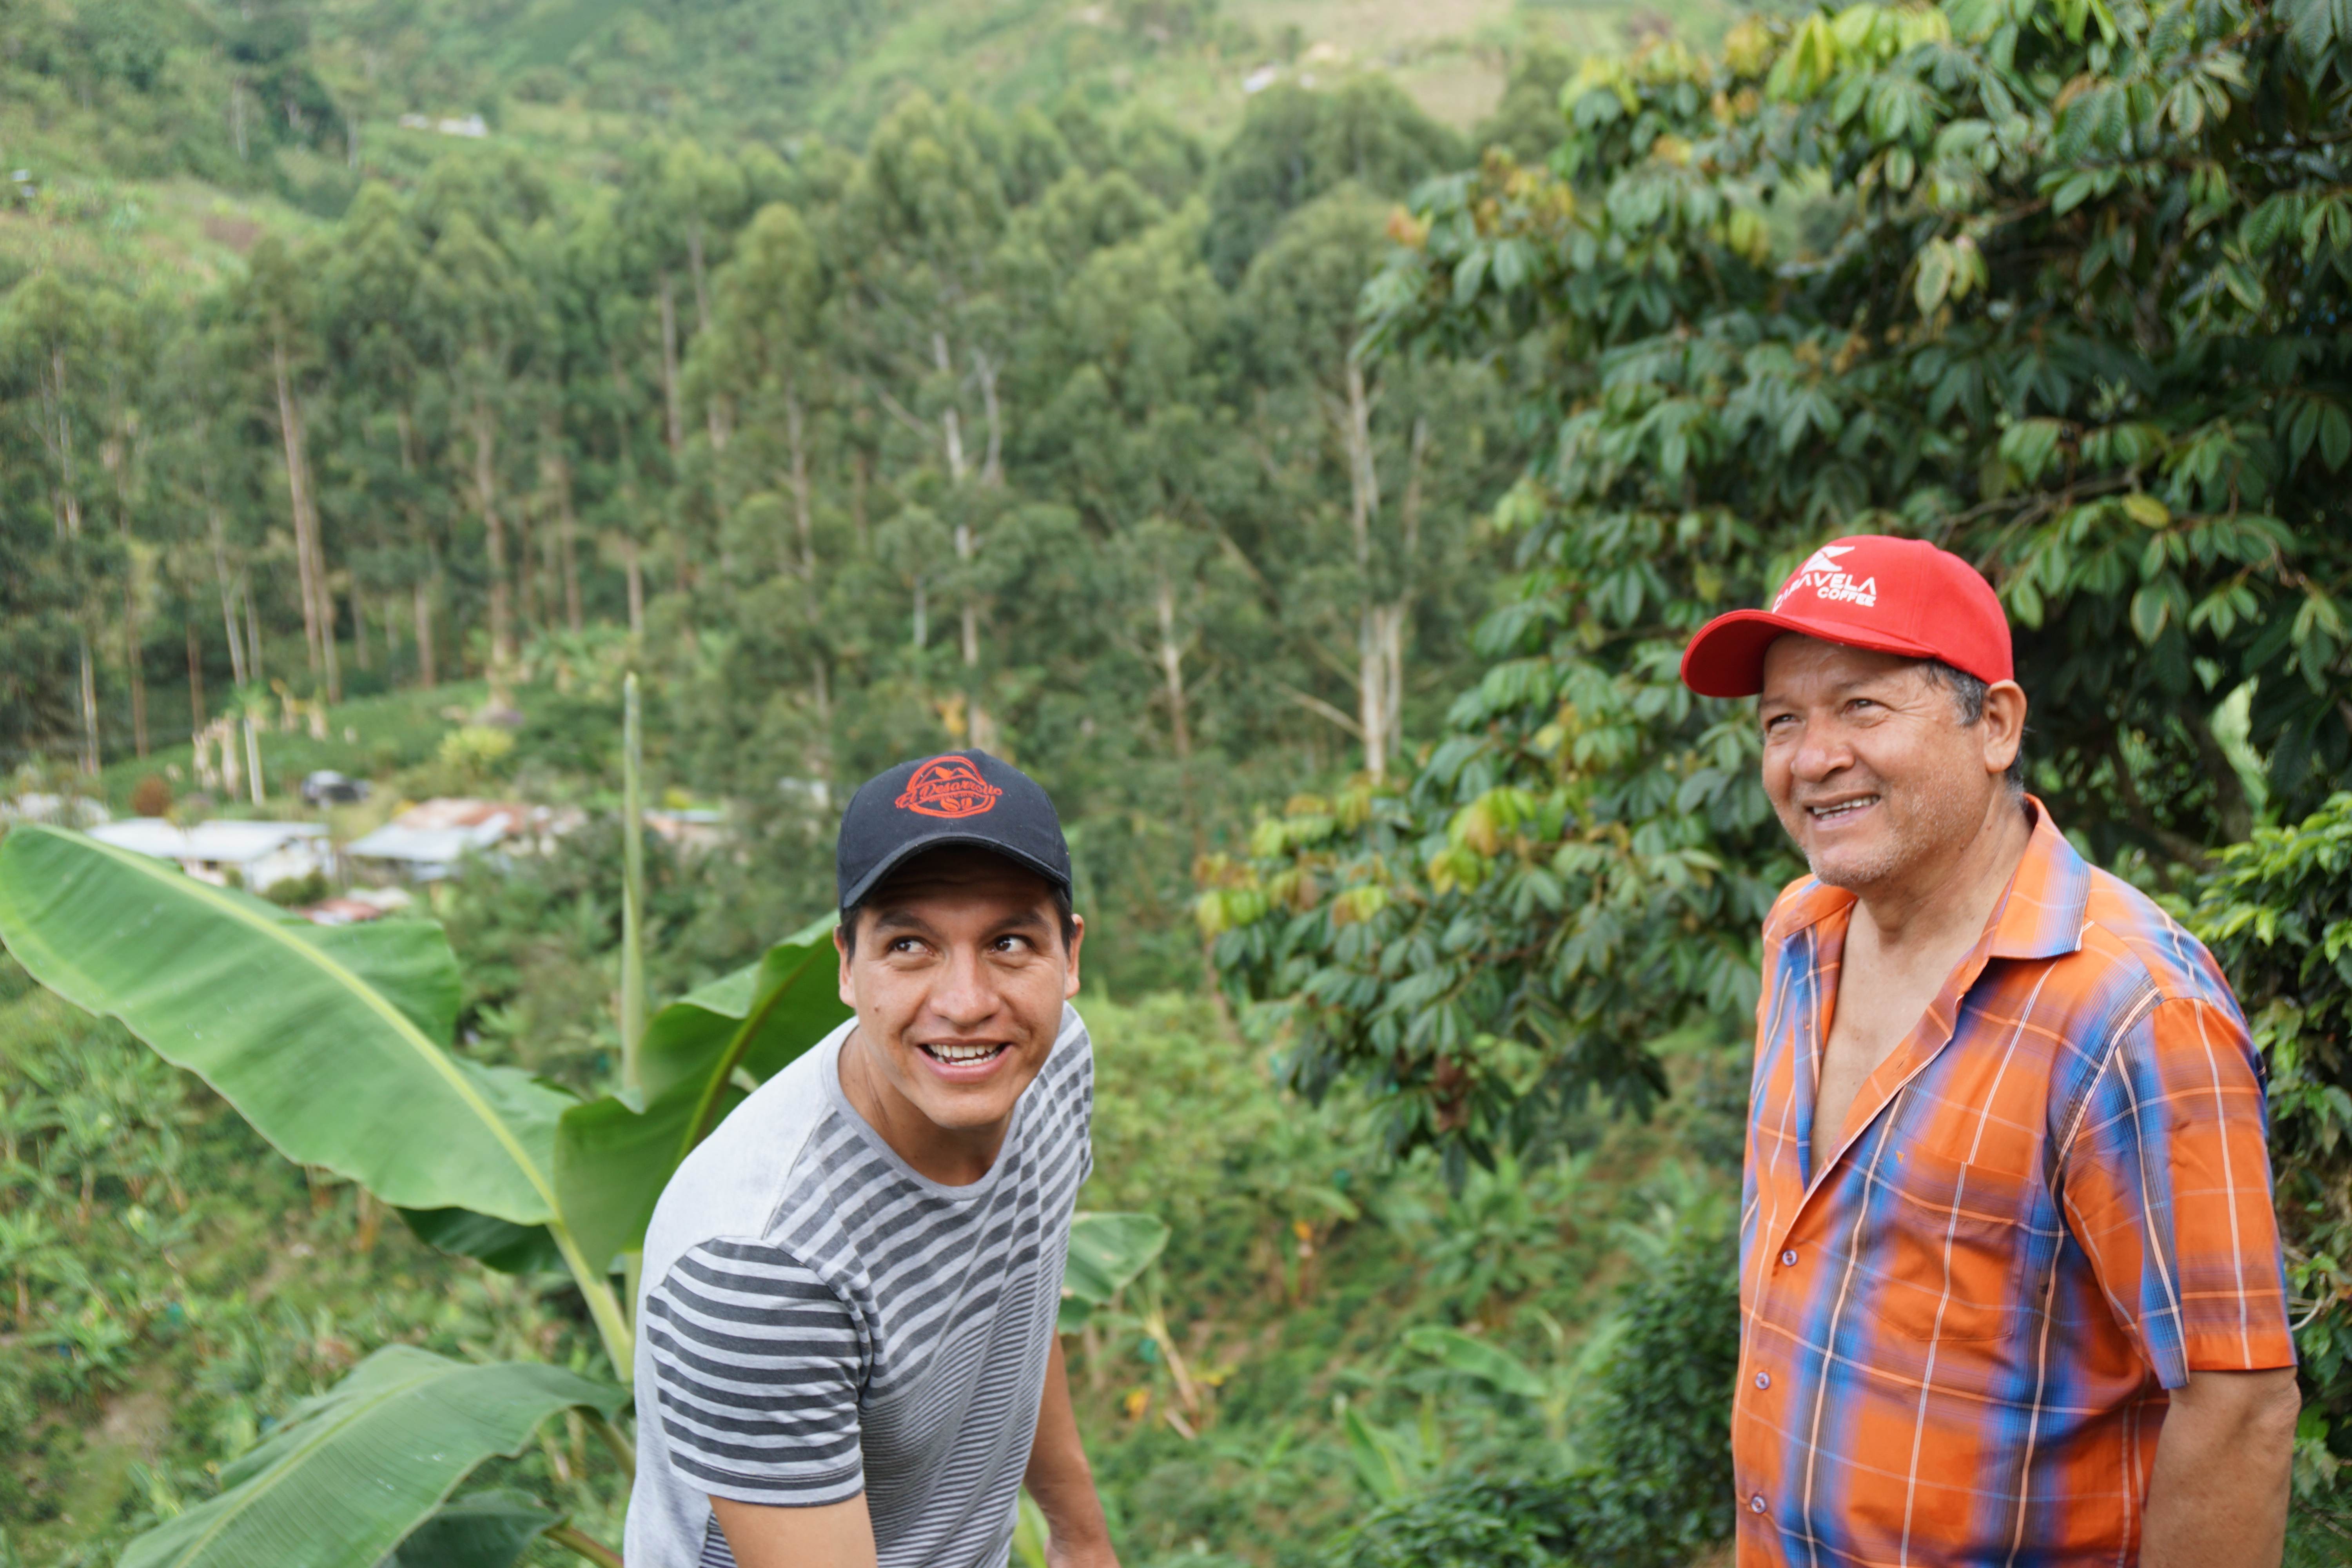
217,843
427,845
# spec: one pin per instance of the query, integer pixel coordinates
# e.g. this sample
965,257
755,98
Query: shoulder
1071,1065
735,1181
2142,954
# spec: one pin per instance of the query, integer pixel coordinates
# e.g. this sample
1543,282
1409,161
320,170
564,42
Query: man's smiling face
1867,762
958,974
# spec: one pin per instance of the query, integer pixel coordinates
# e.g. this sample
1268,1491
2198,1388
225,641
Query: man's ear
1070,968
2004,725
841,946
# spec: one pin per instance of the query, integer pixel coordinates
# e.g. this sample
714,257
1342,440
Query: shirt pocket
1951,1243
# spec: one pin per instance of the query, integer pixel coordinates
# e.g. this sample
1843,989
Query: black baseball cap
956,797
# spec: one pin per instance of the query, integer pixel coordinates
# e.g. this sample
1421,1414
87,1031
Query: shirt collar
2041,915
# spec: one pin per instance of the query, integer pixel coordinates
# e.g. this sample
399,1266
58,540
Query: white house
261,853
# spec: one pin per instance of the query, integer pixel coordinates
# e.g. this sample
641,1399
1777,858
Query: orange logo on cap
947,786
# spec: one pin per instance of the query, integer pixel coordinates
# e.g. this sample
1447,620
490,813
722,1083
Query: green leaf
1490,1365
497,1244
2031,446
1937,265
328,1039
1378,1464
612,1161
480,1530
362,1465
1107,1252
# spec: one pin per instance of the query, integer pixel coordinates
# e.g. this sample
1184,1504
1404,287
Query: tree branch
1316,705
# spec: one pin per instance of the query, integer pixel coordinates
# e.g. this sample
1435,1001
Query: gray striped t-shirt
817,1319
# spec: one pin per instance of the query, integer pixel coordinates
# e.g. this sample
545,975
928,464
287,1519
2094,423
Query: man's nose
1821,751
964,995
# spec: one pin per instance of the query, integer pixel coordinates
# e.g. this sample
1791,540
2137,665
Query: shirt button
1788,1258
1763,1380
1756,1503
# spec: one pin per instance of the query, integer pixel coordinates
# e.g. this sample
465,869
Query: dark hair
1063,909
1968,697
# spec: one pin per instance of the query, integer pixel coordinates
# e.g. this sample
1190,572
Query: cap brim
880,871
1726,657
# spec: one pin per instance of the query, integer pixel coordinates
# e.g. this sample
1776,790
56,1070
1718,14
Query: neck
1928,906
951,1156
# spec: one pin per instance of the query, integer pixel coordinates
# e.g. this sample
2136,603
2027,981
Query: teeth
1830,813
956,1055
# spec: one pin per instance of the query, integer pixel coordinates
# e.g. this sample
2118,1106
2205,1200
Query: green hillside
168,136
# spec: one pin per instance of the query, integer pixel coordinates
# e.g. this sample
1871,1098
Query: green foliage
2278,916
1651,1488
2063,326
354,1470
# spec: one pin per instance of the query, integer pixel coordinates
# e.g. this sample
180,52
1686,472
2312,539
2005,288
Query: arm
1060,1479
837,1535
2217,1496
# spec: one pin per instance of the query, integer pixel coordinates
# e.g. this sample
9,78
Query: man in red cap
2011,1287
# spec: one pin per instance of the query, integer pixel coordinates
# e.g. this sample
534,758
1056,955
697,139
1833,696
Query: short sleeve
757,1366
2168,1189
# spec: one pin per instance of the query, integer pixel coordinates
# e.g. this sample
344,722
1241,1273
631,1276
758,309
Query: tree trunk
1171,675
494,536
1355,420
796,432
991,469
195,677
527,571
423,592
359,627
633,559
568,542
702,277
237,663
252,627
89,747
861,464
133,662
289,427
676,427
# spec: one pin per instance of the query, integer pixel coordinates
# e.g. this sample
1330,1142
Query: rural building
261,854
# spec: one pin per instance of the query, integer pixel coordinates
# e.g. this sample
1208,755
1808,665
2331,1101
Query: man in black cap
847,1357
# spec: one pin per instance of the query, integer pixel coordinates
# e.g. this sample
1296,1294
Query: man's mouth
1842,809
956,1055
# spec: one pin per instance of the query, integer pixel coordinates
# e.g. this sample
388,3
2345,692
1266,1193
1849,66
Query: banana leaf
329,1039
1490,1365
1107,1252
480,1530
612,1159
362,1467
496,1243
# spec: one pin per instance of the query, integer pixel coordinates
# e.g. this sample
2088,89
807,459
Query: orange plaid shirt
2050,1205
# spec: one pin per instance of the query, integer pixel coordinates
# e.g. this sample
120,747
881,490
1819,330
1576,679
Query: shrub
2278,916
152,796
1653,1487
292,892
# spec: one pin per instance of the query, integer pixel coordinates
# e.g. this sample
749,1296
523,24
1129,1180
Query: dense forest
1312,484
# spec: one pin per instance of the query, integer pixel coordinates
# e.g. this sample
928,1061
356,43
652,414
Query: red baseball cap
1866,590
